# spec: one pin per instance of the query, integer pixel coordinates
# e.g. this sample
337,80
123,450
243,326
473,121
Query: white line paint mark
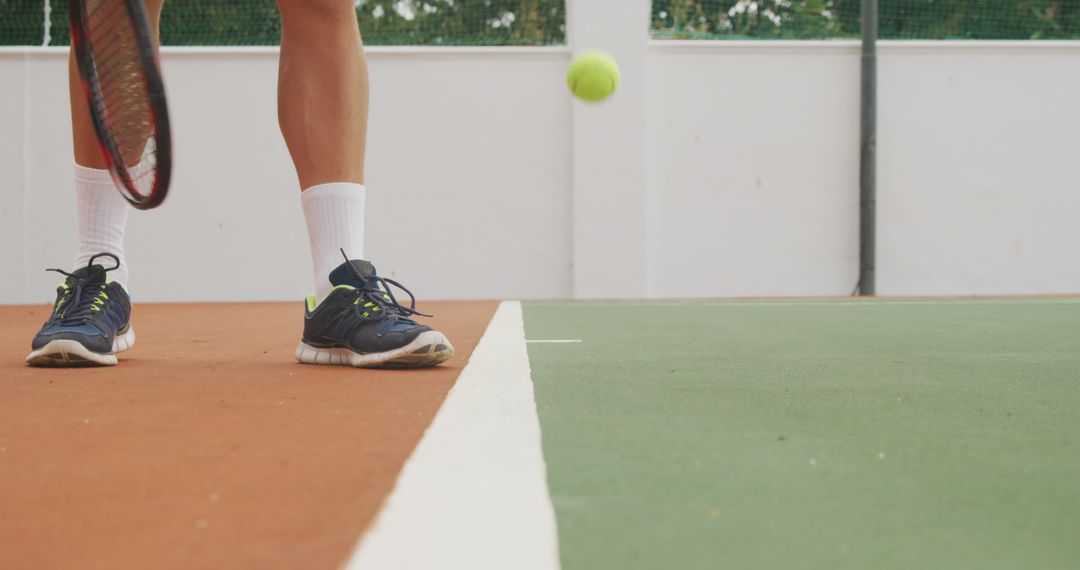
555,341
474,494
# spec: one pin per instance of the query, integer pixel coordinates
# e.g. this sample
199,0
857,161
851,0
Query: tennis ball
593,76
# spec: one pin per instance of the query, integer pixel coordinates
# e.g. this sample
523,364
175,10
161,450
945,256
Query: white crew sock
102,217
335,220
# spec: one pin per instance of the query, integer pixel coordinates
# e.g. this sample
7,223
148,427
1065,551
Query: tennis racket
117,59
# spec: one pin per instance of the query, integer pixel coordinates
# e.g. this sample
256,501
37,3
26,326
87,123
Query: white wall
737,174
610,160
13,90
753,169
468,178
753,155
979,168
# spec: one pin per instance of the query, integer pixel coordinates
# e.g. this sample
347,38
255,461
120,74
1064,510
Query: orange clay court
210,446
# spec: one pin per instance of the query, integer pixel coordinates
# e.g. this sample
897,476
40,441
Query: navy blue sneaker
90,322
361,323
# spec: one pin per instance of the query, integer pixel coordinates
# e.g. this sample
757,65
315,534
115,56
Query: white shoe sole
430,348
71,353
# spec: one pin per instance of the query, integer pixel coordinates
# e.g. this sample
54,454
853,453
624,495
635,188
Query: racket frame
155,88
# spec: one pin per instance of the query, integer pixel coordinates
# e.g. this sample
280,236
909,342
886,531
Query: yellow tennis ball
593,76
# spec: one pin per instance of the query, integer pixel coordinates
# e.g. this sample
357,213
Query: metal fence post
868,151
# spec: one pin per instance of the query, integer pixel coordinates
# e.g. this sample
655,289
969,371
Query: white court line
474,494
555,341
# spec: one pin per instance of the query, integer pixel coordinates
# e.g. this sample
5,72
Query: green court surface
818,434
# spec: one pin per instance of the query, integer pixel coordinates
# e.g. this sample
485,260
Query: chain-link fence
899,19
256,22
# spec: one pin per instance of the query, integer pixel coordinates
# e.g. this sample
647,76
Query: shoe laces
83,297
375,299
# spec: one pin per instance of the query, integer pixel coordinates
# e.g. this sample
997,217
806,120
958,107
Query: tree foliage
21,23
463,22
382,22
542,22
899,19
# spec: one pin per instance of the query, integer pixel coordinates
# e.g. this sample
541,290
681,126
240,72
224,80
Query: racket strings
121,91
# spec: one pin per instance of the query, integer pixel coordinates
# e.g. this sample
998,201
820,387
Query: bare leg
101,212
323,90
323,111
87,152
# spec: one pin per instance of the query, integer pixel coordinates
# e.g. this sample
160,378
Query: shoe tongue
345,276
93,275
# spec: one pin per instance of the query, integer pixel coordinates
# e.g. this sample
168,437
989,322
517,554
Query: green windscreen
543,22
898,19
22,23
256,22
